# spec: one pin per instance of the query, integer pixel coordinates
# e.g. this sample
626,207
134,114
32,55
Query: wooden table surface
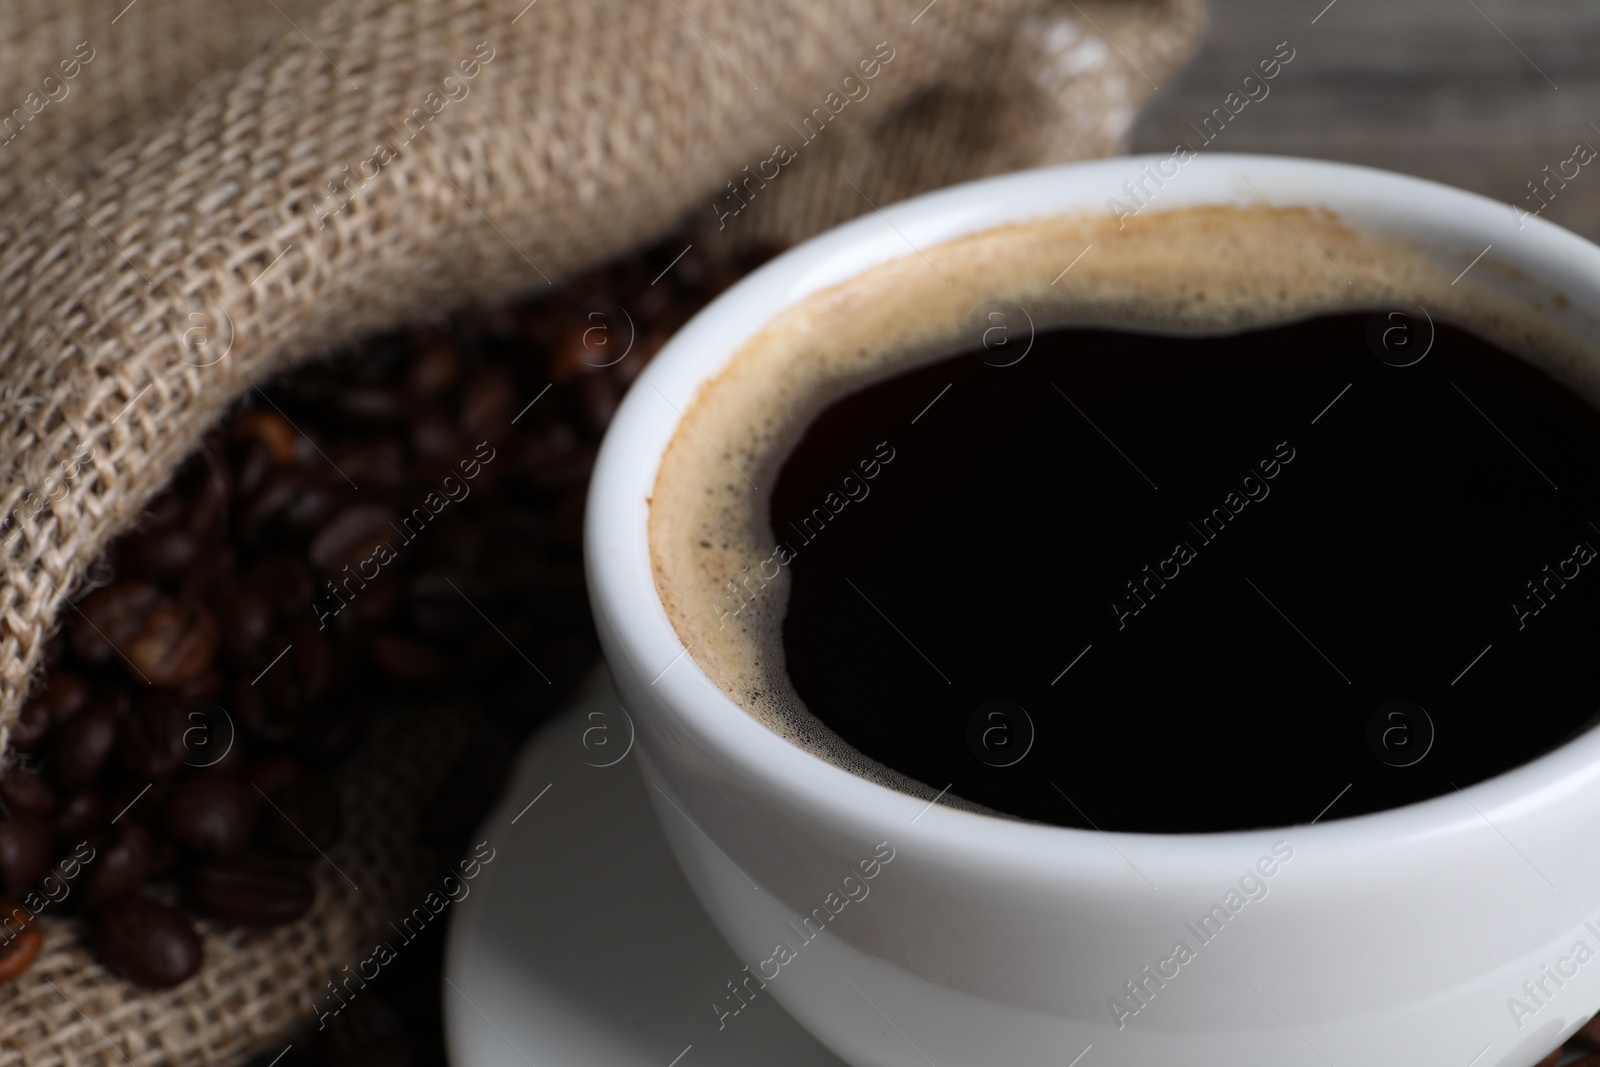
1480,94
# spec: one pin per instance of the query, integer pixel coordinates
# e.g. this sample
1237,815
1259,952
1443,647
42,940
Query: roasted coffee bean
292,502
208,685
252,892
146,941
247,622
18,953
434,438
294,684
20,939
404,659
488,403
26,849
141,801
32,726
82,745
263,724
81,814
286,583
434,369
212,814
212,740
167,552
176,644
351,535
373,465
114,616
23,790
151,741
122,867
381,406
436,608
252,468
274,773
63,696
267,427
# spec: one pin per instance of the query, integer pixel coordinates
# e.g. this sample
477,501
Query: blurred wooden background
1434,88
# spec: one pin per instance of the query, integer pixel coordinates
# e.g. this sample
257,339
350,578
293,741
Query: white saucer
580,944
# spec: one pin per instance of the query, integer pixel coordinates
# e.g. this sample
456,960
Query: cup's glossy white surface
1394,938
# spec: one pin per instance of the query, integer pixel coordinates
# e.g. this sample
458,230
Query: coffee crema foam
1197,271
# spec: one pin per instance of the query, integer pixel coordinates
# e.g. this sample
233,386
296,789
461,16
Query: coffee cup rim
633,622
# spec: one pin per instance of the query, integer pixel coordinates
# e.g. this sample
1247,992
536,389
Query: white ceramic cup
1403,937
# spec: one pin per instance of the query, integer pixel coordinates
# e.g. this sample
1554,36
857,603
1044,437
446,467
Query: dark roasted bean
403,659
301,678
435,438
434,369
26,849
176,644
252,892
83,743
23,790
273,773
115,615
286,582
212,814
208,685
488,405
81,814
146,941
64,695
247,624
150,742
271,430
373,465
373,405
259,719
351,535
293,501
437,609
164,553
32,726
20,939
122,867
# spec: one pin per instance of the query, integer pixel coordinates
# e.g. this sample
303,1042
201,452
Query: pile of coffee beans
401,521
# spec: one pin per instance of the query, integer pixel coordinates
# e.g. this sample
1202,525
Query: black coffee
1165,584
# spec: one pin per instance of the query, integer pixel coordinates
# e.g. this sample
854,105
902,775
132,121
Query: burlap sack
195,196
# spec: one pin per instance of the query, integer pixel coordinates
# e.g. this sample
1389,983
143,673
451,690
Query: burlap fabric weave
219,191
